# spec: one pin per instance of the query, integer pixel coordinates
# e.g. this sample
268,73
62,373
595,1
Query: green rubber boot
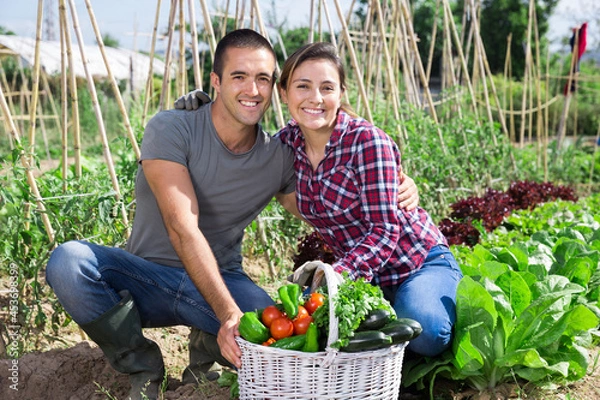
118,332
205,358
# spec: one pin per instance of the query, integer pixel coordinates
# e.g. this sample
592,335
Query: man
203,177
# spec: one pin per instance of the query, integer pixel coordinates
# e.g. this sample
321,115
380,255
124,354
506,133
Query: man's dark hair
240,39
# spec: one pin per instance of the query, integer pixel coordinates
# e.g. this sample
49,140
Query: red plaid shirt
351,199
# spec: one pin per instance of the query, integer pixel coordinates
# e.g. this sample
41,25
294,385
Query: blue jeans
88,277
429,296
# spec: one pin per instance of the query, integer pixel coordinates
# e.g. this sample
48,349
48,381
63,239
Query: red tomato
302,312
269,314
315,301
282,328
301,324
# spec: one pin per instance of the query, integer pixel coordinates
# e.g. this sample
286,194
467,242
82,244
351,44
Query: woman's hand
408,194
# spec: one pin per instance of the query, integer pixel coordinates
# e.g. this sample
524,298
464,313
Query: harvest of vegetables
366,320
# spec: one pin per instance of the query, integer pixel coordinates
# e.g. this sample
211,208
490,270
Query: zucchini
402,330
375,320
290,343
413,324
367,340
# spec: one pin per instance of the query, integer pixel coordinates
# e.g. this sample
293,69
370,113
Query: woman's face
314,95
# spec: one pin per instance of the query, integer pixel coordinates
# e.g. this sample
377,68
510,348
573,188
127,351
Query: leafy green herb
354,300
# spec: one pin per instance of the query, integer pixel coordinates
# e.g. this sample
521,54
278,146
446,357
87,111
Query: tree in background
110,41
4,31
501,18
498,20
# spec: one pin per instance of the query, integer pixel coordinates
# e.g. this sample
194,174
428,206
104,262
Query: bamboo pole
99,119
539,116
24,101
40,117
181,68
276,102
526,73
508,78
369,40
225,19
462,57
167,70
546,118
194,33
395,47
433,38
149,80
452,73
388,64
212,42
565,112
11,106
111,79
354,60
311,21
331,29
36,81
407,63
28,169
65,105
424,82
74,96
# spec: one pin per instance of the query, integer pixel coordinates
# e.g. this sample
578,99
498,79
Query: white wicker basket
271,373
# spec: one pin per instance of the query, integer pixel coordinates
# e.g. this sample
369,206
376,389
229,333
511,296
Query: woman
346,187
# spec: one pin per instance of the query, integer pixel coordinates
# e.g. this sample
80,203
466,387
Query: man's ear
215,82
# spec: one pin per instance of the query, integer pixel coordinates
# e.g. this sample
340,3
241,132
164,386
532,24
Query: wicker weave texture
271,373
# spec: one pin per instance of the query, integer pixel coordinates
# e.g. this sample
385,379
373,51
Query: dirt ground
67,366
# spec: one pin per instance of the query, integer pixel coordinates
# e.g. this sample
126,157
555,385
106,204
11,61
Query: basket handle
333,279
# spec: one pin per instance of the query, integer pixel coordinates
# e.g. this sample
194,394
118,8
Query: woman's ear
283,94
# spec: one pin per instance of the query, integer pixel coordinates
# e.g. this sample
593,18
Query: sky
122,18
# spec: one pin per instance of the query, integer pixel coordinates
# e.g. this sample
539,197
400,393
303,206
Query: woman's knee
433,340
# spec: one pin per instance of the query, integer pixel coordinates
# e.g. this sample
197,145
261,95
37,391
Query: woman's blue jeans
88,277
429,296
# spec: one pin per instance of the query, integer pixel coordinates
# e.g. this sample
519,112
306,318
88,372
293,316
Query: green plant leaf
516,289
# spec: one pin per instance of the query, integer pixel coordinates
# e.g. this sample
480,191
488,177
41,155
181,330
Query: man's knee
64,263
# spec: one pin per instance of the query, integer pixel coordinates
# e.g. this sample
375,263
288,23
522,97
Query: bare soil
65,365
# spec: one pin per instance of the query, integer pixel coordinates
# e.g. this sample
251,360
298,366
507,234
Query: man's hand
408,194
192,101
226,339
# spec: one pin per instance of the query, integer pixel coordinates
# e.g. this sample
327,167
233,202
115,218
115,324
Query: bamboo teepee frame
384,60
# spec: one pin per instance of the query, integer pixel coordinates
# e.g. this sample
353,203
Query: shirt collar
341,125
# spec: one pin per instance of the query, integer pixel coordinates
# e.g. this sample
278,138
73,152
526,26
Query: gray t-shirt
232,189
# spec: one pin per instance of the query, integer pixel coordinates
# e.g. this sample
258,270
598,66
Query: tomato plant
281,328
269,314
315,301
301,324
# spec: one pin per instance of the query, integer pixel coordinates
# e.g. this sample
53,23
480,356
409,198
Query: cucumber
290,343
367,340
402,330
375,320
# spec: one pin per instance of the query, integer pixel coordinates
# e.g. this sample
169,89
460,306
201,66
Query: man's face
246,84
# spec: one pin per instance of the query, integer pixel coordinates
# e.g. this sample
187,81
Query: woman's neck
315,147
